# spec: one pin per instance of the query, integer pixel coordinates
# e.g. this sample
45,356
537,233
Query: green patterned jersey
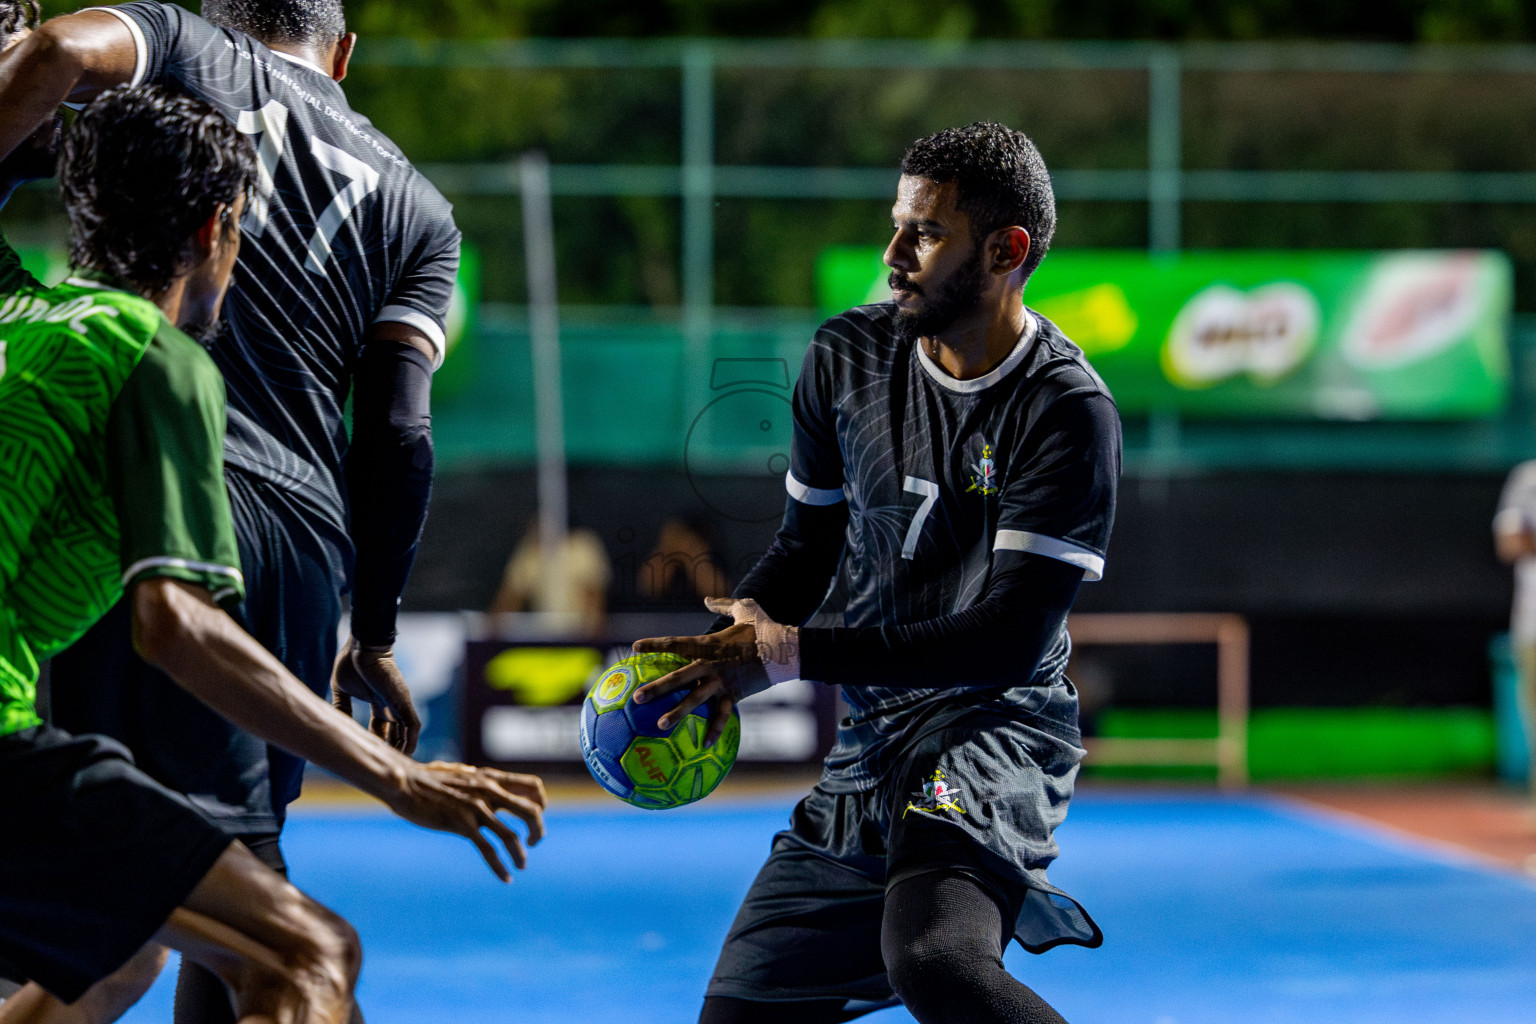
111,425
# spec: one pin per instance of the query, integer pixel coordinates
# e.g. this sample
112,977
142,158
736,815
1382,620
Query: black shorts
95,855
980,794
294,575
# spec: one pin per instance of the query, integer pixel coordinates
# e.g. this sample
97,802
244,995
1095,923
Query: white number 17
271,123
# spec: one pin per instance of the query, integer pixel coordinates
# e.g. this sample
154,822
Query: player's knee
911,968
346,947
320,957
924,972
333,949
320,945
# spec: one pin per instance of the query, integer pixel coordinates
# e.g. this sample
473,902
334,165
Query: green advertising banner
1281,334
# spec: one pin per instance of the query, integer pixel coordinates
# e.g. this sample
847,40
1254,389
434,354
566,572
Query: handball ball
635,759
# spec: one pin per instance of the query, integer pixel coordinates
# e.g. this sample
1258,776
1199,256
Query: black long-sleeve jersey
343,233
958,517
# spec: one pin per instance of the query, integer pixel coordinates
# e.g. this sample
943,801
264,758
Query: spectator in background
685,566
1514,536
574,582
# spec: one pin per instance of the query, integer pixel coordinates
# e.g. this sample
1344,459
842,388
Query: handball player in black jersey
343,286
953,467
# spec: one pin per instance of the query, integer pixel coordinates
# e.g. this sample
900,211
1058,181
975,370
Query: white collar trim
992,376
300,61
85,282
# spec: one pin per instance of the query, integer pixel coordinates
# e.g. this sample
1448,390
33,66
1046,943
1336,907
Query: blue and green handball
638,761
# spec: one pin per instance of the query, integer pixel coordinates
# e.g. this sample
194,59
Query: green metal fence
1166,180
1226,145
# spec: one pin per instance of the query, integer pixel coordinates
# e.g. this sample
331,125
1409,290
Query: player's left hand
371,674
726,666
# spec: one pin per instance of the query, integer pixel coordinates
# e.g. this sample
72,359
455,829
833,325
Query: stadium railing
1228,751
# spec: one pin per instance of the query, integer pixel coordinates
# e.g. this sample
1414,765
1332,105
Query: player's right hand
371,674
467,800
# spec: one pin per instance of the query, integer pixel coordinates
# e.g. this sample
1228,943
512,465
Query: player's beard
959,294
204,332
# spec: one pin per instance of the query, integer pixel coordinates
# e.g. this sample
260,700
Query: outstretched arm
180,561
68,59
1003,636
1054,520
178,628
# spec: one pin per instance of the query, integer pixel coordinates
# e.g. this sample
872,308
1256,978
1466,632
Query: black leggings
942,937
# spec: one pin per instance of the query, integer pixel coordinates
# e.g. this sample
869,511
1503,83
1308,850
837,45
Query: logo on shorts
984,474
937,795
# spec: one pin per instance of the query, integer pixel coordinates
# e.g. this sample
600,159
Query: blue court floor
1216,909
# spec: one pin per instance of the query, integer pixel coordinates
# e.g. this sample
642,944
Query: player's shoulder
1057,369
80,327
159,29
88,308
862,337
176,376
419,207
874,321
1522,477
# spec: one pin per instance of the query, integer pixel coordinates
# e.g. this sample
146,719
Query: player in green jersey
111,420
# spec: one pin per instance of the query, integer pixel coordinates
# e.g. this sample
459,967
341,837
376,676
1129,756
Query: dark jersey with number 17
344,234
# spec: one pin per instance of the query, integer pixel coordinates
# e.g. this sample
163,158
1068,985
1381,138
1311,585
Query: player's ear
341,55
1011,249
209,233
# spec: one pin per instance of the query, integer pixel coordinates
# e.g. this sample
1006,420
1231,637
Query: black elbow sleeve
389,479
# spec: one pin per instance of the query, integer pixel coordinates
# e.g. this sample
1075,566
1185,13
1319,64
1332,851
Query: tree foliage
1437,21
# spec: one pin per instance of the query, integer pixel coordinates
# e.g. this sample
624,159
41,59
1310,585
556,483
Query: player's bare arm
76,57
1513,538
1513,545
36,155
69,59
179,629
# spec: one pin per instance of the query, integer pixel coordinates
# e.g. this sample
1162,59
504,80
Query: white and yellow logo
937,795
611,686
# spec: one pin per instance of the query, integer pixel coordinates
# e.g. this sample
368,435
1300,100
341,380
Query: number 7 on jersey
930,492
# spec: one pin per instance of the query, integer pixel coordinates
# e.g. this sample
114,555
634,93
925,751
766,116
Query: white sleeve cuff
1091,563
423,323
140,46
166,562
807,495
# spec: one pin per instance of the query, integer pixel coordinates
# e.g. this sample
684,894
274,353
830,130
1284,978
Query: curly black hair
16,15
301,22
142,169
1001,177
